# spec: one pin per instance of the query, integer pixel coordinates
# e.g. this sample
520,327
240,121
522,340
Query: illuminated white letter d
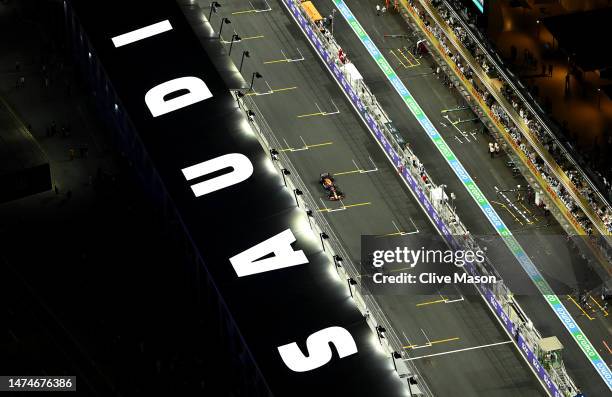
197,91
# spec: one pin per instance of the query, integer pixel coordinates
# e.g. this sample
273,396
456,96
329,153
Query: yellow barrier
311,11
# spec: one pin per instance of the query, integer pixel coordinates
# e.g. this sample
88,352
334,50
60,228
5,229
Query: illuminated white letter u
242,169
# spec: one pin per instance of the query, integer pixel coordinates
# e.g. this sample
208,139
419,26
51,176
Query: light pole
235,37
351,282
285,172
380,332
338,265
324,236
274,154
223,22
239,95
296,193
255,74
251,115
213,8
395,356
333,16
338,260
410,378
599,98
309,215
244,54
443,194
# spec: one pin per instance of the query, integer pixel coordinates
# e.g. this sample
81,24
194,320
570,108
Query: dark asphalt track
488,173
375,202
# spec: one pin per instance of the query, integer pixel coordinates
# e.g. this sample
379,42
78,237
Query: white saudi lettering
142,33
319,352
197,91
240,164
249,262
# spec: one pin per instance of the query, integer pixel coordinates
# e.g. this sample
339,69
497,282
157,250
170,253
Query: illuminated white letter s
319,352
197,91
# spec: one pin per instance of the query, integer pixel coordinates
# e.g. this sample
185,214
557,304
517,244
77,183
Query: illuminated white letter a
319,352
197,91
248,262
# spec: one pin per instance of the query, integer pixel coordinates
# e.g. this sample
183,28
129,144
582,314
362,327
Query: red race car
327,181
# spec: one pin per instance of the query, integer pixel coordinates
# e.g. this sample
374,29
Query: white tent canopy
351,73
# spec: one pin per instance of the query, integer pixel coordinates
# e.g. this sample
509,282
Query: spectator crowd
549,142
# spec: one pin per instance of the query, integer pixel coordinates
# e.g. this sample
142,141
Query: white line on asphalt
406,337
458,350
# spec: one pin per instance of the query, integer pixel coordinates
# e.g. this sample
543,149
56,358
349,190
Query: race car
327,181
